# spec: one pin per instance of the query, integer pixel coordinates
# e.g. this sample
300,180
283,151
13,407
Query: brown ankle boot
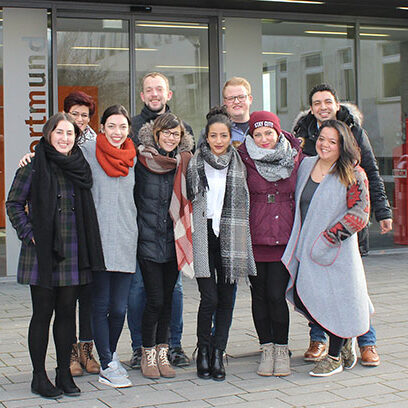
148,365
86,357
166,370
74,365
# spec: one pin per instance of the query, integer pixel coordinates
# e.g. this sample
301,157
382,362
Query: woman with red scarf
112,158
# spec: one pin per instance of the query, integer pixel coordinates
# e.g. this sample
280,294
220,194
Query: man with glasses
237,98
155,94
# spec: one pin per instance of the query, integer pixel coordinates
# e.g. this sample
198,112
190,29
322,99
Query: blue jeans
111,290
136,304
367,339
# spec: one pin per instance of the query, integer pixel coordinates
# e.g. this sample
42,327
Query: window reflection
180,51
93,56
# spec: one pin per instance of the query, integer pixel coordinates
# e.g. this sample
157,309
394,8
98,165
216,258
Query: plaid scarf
180,207
235,239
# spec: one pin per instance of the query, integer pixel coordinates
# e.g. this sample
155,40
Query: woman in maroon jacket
272,158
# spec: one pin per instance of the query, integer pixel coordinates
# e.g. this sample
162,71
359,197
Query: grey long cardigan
116,211
330,280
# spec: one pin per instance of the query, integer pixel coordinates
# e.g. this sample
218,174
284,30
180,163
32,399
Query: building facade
49,48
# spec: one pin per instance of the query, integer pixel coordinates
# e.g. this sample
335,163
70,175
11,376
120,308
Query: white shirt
215,195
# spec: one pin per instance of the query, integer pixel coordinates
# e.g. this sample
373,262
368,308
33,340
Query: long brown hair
349,151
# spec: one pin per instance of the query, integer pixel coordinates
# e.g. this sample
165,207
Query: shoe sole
72,394
204,377
43,396
103,380
281,374
265,374
180,364
366,364
337,370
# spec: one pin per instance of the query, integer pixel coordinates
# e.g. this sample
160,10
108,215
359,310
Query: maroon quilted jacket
272,207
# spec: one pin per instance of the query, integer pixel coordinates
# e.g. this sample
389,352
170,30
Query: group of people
112,220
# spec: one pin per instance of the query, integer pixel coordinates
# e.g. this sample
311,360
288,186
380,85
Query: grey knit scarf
235,239
272,164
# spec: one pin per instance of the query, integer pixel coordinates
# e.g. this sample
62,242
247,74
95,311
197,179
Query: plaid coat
18,207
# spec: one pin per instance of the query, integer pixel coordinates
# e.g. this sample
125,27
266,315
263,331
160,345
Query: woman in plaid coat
51,207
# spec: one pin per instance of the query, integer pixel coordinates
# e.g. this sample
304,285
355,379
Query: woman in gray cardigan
112,158
327,281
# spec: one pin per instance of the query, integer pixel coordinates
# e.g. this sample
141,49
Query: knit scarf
180,207
273,164
235,239
45,219
115,162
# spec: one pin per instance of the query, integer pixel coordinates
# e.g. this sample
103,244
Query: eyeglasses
76,114
240,98
168,133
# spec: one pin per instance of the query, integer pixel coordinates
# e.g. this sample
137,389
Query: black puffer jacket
152,196
146,115
305,127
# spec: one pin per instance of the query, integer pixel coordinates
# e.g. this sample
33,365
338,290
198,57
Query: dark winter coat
152,196
305,127
146,115
272,207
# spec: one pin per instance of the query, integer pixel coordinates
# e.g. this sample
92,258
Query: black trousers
269,308
159,280
216,296
46,301
335,343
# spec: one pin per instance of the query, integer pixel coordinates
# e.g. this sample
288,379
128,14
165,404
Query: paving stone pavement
384,386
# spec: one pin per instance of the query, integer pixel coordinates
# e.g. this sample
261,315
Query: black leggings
336,343
44,302
269,308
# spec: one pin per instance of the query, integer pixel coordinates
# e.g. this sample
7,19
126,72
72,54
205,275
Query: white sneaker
112,376
121,369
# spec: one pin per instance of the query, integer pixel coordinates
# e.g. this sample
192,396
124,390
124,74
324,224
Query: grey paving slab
384,386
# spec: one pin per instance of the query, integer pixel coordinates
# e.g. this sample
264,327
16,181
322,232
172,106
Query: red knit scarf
180,209
115,162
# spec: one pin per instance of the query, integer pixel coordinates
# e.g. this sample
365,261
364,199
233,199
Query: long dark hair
52,123
349,151
218,114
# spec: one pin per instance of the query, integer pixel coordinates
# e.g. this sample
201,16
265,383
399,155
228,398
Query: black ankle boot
203,363
217,365
64,381
41,385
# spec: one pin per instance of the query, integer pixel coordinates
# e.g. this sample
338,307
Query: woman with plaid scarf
216,185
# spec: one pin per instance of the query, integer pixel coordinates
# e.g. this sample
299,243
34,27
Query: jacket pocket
323,252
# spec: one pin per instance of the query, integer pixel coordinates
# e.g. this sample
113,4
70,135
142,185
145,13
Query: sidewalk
385,386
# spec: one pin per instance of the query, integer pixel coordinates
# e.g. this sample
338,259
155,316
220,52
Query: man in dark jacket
155,94
325,105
